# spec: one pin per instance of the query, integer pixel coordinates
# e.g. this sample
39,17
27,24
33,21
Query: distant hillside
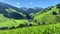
24,20
10,15
20,17
30,10
13,16
4,8
49,15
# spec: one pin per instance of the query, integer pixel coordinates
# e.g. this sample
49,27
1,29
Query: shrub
50,23
21,25
3,28
43,23
54,13
35,20
27,24
13,27
30,25
38,23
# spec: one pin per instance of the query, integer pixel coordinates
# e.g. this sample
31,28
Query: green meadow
46,21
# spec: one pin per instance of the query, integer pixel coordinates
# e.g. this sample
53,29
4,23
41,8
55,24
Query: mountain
11,16
32,16
30,10
15,18
20,13
14,12
49,15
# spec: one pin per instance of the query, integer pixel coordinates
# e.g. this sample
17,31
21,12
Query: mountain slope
13,11
17,16
49,16
23,11
44,29
10,15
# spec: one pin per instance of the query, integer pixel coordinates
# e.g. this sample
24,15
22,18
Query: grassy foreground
43,29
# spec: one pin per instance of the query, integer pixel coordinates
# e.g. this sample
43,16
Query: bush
39,23
21,25
54,13
43,23
3,28
27,24
30,25
13,27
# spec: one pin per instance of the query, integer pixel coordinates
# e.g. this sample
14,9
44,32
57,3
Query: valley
24,20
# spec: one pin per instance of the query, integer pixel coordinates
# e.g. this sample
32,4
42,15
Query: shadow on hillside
13,15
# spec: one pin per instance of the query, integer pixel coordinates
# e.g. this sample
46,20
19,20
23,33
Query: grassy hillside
43,29
34,23
50,16
9,21
10,17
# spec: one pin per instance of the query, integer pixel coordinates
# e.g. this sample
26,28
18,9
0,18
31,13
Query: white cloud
30,3
17,6
17,3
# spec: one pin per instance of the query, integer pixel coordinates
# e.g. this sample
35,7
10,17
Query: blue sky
31,3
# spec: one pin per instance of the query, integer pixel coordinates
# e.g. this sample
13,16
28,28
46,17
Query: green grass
48,17
41,18
10,22
42,29
10,10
